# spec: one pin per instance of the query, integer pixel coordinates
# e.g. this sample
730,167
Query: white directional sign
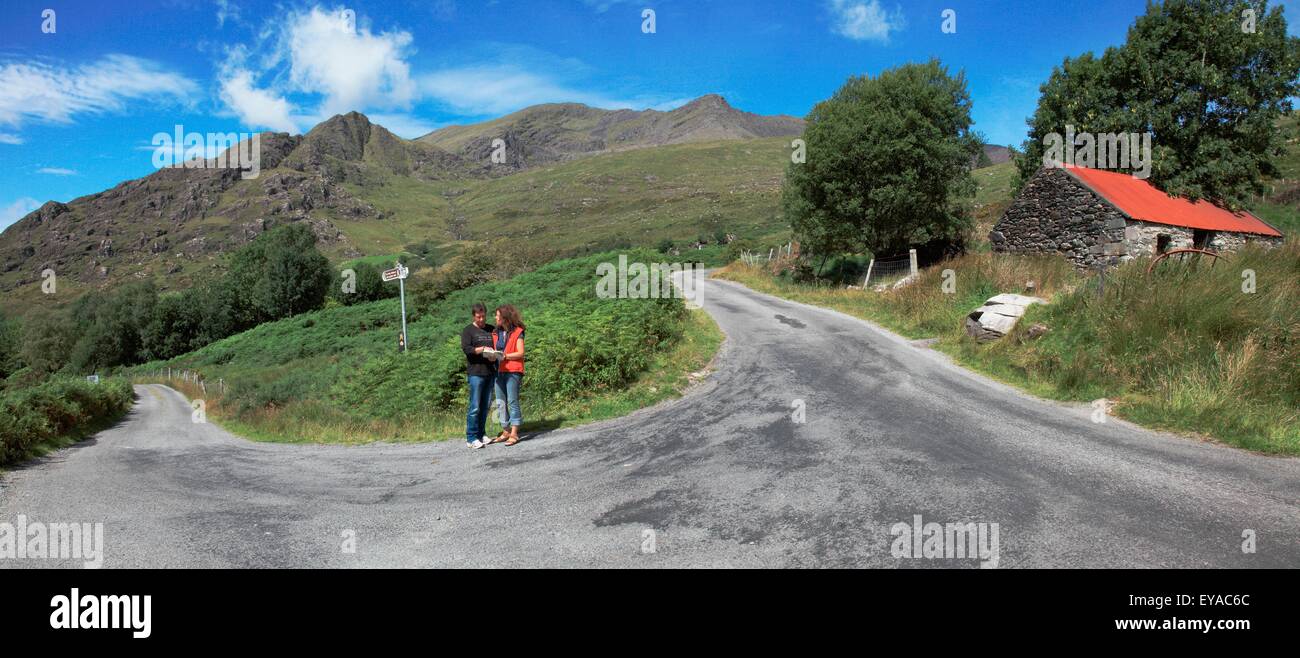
398,274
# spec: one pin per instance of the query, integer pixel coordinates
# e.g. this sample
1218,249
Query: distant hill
996,155
366,192
546,134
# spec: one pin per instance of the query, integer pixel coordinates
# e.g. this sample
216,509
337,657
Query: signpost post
400,273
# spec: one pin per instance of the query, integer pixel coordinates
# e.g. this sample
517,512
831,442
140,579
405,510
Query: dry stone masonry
1056,213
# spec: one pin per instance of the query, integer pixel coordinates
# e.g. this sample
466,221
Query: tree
888,164
1191,73
278,275
112,326
48,337
370,285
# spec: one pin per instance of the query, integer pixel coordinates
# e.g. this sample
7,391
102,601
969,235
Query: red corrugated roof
1142,201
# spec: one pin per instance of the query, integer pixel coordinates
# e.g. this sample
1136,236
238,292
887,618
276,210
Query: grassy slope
1274,208
334,375
638,196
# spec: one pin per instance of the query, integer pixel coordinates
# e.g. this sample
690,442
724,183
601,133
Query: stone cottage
1099,218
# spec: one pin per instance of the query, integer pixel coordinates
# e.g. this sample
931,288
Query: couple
494,358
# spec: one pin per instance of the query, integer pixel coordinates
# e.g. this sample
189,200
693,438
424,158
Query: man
481,371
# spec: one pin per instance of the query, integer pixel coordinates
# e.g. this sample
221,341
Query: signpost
399,273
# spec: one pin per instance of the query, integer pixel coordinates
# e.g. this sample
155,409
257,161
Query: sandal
512,441
501,437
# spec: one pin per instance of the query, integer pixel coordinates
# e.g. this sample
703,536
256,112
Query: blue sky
79,106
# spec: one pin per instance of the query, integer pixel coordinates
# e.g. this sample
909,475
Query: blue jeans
507,389
480,395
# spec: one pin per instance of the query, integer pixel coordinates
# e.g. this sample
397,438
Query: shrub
58,408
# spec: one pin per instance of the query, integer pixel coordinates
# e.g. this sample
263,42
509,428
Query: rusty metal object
1151,268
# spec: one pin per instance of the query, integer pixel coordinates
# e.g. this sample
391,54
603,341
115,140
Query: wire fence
886,271
773,253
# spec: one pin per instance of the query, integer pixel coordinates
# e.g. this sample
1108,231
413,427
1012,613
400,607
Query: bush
60,408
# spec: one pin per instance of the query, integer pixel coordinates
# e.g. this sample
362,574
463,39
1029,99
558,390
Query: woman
509,340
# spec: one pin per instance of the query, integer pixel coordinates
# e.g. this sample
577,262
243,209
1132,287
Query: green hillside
335,375
635,197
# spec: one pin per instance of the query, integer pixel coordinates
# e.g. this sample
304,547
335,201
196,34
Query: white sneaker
475,445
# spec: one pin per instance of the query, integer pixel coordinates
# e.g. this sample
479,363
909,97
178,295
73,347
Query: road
724,476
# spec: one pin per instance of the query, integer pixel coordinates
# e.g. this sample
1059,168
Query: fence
882,272
773,253
192,377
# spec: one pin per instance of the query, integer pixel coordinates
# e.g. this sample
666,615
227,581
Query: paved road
723,476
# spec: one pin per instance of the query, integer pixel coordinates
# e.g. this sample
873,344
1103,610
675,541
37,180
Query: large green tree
1207,78
278,275
888,164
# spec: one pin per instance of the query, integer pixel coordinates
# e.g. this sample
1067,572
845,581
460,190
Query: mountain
546,134
996,155
366,192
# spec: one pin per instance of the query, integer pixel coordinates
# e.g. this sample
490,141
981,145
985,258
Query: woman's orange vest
512,365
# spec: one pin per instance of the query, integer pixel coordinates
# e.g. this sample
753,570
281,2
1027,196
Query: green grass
992,197
635,197
1183,350
334,376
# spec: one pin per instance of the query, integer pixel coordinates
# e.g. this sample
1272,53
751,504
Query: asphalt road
722,477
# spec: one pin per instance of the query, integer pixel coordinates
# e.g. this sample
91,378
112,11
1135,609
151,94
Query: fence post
868,279
911,255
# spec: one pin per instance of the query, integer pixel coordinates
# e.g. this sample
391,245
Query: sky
84,90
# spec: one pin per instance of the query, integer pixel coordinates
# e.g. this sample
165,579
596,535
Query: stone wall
1234,241
1057,214
1140,237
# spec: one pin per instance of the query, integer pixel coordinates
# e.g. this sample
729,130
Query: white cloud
257,108
318,56
503,88
316,63
351,67
865,21
44,92
6,138
404,125
17,210
56,171
226,11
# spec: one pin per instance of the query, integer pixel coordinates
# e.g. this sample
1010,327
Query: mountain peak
707,102
343,136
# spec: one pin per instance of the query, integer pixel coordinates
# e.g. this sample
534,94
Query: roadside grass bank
1185,349
335,375
37,420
